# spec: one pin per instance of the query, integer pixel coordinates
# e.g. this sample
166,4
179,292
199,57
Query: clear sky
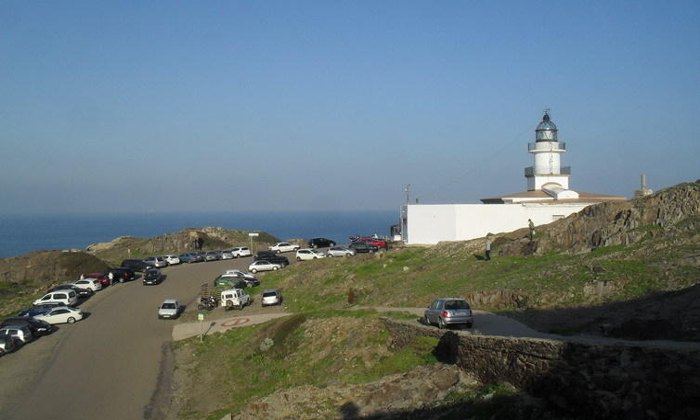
276,105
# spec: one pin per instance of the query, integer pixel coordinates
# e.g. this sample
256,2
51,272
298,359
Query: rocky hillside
175,243
28,276
672,214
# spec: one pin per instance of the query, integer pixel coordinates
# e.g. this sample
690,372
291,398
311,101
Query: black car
363,247
82,293
152,276
272,257
136,265
36,326
320,243
121,274
8,344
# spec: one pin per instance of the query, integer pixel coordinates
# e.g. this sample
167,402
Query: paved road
106,366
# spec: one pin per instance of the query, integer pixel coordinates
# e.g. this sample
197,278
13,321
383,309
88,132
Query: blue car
32,312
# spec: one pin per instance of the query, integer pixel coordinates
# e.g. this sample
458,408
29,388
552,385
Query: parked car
22,332
380,243
226,255
444,312
122,274
230,282
9,344
152,276
136,265
82,292
28,313
363,247
212,256
240,251
101,277
249,279
272,257
61,315
157,262
309,254
190,258
271,297
36,326
170,309
62,296
320,243
340,251
262,265
171,259
88,283
284,247
235,299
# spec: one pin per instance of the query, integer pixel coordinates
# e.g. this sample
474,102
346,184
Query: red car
104,281
372,241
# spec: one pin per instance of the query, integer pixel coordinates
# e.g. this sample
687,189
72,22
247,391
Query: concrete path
210,326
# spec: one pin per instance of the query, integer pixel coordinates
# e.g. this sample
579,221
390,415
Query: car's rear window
456,304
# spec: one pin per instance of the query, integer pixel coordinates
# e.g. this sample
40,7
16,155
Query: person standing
487,255
531,226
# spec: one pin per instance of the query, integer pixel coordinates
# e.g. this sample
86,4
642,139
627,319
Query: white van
62,296
235,299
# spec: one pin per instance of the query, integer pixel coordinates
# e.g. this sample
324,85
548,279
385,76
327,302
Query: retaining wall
584,380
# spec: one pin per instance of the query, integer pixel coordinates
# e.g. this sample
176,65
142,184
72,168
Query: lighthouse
547,174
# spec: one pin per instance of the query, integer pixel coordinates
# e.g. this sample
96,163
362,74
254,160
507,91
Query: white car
340,251
309,254
170,308
284,247
262,265
172,259
61,296
88,283
241,251
61,315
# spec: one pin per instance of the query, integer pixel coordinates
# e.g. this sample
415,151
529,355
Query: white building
547,199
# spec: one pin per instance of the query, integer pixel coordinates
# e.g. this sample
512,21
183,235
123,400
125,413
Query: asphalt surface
106,366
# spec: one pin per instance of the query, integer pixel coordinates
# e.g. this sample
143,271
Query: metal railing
559,146
564,170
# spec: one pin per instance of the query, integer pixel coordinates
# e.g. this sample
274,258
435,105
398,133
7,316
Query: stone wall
585,380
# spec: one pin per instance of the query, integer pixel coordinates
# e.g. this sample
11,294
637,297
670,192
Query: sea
21,234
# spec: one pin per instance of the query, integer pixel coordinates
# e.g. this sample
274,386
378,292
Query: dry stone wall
579,379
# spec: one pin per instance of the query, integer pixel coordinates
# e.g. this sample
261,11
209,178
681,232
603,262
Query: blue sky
295,105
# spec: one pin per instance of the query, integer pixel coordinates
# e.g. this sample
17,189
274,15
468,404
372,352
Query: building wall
429,224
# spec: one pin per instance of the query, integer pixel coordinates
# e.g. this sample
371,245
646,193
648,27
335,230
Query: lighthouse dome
546,130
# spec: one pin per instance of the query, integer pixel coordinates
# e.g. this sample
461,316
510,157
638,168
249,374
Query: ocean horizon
22,234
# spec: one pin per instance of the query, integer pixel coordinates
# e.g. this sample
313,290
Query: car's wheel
314,246
425,320
298,258
329,255
71,320
253,271
469,324
332,244
274,268
441,323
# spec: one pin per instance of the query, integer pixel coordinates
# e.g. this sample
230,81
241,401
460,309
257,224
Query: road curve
106,366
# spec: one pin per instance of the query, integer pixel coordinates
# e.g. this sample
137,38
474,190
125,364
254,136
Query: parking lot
107,366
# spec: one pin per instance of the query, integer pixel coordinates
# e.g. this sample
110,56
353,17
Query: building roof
540,196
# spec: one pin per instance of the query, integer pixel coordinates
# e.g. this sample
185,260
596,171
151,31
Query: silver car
444,312
271,297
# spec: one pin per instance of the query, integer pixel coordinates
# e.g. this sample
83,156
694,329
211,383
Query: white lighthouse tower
547,174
